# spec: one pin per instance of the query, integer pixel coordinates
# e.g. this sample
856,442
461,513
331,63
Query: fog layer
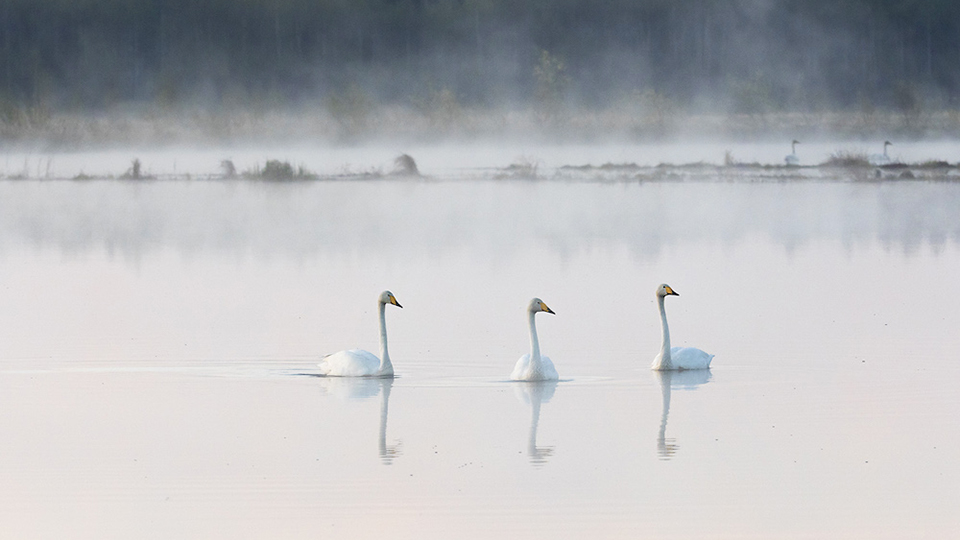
323,219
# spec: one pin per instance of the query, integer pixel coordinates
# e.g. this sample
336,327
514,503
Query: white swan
533,367
360,363
793,160
677,357
881,159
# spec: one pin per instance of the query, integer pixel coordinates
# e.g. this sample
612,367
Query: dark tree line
789,54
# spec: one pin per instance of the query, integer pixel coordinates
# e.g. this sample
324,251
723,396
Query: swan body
676,358
793,160
360,363
524,371
533,366
881,159
689,358
353,363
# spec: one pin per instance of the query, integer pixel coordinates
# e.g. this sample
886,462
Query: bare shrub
729,160
133,173
847,159
228,169
521,169
404,165
275,169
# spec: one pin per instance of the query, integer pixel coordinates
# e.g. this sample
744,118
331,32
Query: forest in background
443,57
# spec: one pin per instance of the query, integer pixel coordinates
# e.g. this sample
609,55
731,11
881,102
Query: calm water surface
158,344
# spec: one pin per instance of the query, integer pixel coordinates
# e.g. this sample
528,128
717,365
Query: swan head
886,144
665,290
387,297
537,305
795,142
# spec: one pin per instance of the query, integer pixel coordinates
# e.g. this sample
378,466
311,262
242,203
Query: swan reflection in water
687,380
364,388
535,393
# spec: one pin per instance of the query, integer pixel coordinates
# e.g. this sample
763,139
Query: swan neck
665,348
385,364
534,341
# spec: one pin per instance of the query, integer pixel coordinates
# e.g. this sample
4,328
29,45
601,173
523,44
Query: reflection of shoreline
363,388
688,379
303,218
534,394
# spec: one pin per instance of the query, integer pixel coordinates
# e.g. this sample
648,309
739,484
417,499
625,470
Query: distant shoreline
605,173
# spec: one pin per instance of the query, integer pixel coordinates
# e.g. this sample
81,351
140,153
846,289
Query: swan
533,367
793,160
881,159
360,363
678,358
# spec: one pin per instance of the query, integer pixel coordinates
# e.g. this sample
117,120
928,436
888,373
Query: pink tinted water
157,342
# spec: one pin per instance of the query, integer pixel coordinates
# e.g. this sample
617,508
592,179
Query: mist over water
430,219
160,340
199,200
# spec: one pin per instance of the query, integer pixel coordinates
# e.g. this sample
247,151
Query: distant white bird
881,159
360,363
533,367
793,160
677,357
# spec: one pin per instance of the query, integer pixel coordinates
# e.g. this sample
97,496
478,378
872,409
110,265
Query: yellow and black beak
672,292
543,307
393,300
